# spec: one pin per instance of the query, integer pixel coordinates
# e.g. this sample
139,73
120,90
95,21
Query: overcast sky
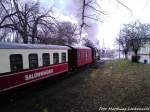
116,15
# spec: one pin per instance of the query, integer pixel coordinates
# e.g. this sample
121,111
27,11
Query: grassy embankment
124,83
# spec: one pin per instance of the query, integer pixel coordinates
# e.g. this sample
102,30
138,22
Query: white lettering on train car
38,74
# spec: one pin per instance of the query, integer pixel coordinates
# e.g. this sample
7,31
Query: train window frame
36,65
57,58
18,63
46,60
63,57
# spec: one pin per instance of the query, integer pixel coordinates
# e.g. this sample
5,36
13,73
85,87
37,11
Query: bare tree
133,36
67,32
62,33
88,43
3,34
26,20
47,34
23,18
90,10
123,42
10,18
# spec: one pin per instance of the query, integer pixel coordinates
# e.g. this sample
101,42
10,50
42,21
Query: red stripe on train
21,78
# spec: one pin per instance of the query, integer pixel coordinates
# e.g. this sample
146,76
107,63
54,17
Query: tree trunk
25,39
135,58
126,55
33,40
136,52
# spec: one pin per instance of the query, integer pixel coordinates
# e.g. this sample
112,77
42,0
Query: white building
144,53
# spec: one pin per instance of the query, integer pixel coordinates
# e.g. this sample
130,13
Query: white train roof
80,47
30,46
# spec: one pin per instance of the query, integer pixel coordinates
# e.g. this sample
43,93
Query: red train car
79,56
21,64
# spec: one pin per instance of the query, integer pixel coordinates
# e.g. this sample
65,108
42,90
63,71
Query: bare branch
7,16
96,19
146,3
97,11
125,6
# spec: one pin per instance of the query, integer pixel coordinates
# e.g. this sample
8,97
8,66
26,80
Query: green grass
128,83
128,68
134,71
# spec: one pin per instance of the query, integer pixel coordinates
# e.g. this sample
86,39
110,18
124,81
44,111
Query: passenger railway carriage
25,63
21,64
79,56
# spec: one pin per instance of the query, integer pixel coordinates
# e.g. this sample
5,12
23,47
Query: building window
145,61
46,59
33,61
16,62
55,58
63,57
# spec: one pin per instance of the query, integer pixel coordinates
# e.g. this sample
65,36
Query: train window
55,58
63,57
46,59
33,61
16,62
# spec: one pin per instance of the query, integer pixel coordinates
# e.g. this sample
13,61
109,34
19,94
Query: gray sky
116,16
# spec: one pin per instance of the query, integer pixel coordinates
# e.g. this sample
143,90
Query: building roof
30,46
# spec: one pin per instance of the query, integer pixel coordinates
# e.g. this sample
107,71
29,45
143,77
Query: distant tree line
132,36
